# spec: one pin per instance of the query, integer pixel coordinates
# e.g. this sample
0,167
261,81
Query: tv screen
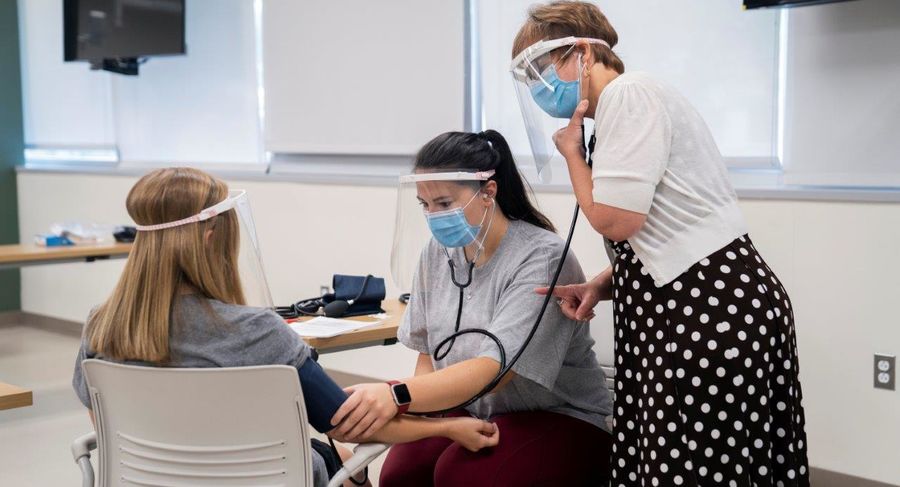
750,4
99,30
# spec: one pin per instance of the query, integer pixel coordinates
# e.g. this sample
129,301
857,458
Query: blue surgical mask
451,228
561,101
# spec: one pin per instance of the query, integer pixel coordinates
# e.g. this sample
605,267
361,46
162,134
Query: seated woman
552,406
180,303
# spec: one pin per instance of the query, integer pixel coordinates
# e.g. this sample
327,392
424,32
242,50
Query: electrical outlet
323,290
885,371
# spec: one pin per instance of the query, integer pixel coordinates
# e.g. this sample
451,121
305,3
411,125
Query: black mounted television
117,35
751,4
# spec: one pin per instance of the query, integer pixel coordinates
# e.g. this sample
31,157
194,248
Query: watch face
401,394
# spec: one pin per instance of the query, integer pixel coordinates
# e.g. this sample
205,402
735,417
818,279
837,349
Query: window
723,59
199,109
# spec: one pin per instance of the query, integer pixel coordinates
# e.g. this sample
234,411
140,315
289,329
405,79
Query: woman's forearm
453,385
603,283
613,223
404,429
424,365
582,183
583,187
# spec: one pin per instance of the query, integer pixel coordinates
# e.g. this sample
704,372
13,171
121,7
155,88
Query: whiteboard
362,77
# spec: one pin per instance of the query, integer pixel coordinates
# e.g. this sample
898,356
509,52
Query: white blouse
655,155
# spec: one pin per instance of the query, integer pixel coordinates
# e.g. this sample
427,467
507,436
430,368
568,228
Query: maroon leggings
536,449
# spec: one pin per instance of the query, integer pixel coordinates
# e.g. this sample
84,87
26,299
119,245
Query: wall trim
828,478
43,322
758,185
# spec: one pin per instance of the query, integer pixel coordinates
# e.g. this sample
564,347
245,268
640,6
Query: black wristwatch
401,395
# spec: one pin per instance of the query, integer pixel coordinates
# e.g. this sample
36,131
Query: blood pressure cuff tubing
348,287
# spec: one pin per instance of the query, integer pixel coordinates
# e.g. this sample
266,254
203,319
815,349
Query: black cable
362,290
449,341
504,367
340,463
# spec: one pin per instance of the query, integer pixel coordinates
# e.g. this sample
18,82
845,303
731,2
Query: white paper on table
324,327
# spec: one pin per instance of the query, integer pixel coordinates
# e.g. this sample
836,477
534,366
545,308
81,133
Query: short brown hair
563,18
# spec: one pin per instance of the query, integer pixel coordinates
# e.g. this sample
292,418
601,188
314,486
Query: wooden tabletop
30,253
14,397
383,334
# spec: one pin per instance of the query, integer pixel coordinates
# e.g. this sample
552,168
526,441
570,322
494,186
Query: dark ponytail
483,152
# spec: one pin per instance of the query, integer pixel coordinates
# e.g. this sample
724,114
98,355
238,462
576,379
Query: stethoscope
443,348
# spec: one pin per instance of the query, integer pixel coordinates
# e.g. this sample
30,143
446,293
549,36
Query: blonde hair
134,323
567,18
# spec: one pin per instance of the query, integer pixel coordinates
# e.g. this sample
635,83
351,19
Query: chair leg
81,453
362,455
87,471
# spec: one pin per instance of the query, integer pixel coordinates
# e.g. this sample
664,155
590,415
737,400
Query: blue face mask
451,228
562,100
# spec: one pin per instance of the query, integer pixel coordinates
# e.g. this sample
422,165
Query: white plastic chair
201,427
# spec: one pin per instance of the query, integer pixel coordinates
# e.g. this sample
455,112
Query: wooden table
20,255
383,334
14,397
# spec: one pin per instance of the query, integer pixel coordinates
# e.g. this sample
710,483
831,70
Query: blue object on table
52,240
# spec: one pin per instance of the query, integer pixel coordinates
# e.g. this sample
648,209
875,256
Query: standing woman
706,358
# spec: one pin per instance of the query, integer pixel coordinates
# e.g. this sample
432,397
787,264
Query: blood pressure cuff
321,395
348,287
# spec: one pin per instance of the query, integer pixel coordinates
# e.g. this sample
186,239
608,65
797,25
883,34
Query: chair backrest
203,427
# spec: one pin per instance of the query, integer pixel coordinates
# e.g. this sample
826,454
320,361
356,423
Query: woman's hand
472,433
577,301
569,140
367,410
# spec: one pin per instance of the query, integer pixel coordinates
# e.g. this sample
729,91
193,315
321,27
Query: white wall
838,261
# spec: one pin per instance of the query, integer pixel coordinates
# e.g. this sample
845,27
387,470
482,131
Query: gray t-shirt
558,371
209,333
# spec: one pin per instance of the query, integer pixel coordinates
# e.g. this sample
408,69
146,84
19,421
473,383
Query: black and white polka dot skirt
706,375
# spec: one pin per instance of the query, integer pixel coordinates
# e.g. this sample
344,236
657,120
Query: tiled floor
34,441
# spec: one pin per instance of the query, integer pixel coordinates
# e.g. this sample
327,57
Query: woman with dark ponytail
485,151
551,409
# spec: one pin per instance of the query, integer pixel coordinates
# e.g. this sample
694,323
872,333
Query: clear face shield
449,207
547,76
249,258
